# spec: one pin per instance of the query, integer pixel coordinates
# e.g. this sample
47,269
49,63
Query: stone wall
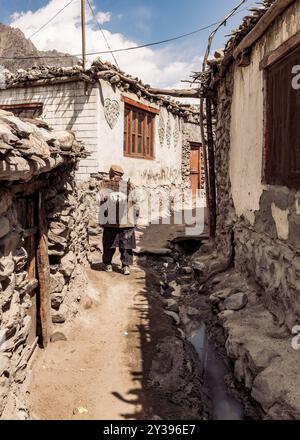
68,241
67,235
265,249
272,260
224,203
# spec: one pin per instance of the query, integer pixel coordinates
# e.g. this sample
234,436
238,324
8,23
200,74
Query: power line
222,23
102,32
51,19
156,43
115,50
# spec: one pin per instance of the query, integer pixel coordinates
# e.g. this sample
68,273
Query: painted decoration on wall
169,133
176,135
161,129
111,111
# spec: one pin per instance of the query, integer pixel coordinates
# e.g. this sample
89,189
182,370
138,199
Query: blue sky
137,21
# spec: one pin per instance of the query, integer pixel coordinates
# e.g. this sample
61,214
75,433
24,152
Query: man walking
118,213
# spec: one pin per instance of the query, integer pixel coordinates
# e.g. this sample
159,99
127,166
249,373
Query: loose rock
236,302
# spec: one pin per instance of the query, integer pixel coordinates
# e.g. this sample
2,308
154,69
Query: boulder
65,139
236,302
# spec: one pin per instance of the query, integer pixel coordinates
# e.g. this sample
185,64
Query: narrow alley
150,233
105,365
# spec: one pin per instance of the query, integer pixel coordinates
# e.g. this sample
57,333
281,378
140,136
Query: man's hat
116,169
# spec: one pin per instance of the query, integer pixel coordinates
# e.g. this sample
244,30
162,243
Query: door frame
197,146
40,258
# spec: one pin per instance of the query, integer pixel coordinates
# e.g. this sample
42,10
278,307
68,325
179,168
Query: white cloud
163,67
103,17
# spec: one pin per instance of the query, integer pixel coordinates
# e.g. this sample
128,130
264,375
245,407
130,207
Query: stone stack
14,300
34,157
68,241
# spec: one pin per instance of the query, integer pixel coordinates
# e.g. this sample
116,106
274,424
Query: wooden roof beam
264,23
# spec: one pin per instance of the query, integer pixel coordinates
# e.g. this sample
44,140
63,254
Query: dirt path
102,370
99,366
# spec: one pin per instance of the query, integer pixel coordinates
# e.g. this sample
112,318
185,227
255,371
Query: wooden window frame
23,105
148,113
280,54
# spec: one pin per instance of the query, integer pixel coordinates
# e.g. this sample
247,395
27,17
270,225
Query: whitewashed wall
80,108
247,117
70,106
165,169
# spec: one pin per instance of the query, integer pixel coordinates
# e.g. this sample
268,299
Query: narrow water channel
225,406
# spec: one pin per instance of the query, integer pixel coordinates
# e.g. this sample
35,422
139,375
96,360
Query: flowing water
225,406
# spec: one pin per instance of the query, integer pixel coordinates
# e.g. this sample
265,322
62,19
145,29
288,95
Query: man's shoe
126,270
108,268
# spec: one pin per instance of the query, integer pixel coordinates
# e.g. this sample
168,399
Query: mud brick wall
67,221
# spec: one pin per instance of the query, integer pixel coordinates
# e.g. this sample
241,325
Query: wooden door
195,169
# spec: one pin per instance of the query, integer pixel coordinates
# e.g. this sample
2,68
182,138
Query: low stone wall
68,247
275,267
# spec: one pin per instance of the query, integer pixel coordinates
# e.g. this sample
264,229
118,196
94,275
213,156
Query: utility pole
83,33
